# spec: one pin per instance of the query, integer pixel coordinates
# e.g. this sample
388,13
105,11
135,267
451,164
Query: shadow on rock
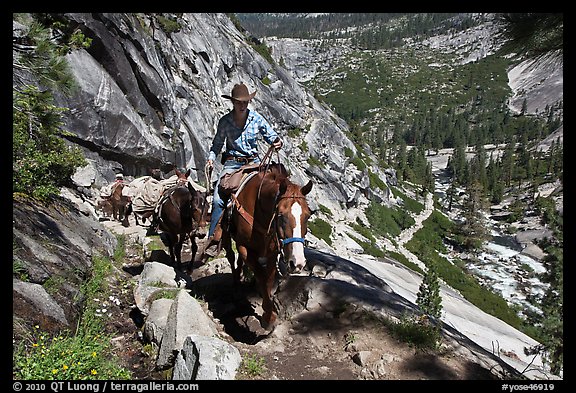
234,307
159,256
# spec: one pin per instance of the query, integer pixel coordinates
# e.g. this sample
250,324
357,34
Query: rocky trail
312,341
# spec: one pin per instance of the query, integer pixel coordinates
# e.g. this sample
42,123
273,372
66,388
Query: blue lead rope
281,263
292,240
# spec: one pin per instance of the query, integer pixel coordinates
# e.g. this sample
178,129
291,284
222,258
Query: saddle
230,182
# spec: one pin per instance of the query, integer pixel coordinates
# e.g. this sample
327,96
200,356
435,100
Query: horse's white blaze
297,249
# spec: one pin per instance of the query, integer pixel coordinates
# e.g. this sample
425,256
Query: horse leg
124,211
194,250
171,246
130,210
264,280
145,216
227,246
114,210
270,314
104,208
178,249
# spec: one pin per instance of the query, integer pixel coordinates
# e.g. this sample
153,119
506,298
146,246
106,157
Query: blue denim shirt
241,142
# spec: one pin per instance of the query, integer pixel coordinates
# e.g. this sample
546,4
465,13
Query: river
500,266
503,268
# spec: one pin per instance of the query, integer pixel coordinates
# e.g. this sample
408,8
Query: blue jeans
218,202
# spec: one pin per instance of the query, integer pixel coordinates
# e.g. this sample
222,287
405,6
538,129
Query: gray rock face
33,297
148,97
305,58
74,238
536,82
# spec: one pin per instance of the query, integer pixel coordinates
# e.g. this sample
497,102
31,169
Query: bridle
275,223
280,243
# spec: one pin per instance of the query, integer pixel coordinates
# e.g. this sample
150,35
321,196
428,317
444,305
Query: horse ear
307,188
188,172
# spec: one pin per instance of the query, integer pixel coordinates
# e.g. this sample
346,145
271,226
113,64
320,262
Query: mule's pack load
146,192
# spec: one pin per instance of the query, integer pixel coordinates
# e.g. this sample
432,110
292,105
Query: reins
265,163
280,243
208,174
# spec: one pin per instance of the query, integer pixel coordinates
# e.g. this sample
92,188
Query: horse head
292,214
199,208
182,179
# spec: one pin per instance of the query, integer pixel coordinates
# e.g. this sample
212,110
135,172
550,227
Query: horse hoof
268,323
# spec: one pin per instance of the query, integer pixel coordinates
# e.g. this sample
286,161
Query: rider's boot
212,246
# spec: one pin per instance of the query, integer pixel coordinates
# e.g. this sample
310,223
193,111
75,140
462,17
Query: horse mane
281,175
277,170
272,176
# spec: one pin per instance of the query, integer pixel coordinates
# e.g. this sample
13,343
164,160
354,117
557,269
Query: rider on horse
238,130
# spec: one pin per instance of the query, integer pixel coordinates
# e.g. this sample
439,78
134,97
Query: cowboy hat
240,93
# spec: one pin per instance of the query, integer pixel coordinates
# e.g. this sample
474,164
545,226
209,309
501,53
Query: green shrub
168,25
388,221
313,161
84,354
369,248
294,132
41,160
325,210
417,331
428,297
321,229
376,182
358,163
253,365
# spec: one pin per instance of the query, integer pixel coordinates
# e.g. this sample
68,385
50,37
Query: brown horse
268,219
115,204
182,213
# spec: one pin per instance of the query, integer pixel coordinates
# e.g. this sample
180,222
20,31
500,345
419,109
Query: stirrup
204,254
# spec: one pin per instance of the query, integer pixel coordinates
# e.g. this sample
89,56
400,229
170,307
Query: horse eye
281,218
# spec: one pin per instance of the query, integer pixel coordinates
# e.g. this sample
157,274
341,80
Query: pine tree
428,298
42,162
472,232
552,302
